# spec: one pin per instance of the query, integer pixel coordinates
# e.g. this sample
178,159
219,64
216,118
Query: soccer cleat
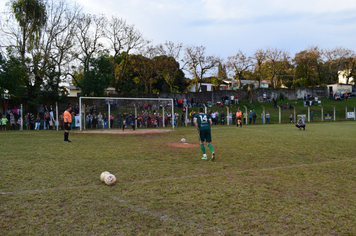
213,157
204,158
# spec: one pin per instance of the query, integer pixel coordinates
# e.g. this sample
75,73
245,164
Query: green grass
267,179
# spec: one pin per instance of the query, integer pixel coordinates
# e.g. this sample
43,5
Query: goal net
110,112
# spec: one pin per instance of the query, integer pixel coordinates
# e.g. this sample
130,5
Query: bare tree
90,32
170,49
260,57
338,59
199,64
58,41
239,63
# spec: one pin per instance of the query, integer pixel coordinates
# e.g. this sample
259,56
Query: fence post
322,113
163,120
227,115
280,115
354,112
345,112
21,115
294,115
245,115
108,116
135,116
264,115
334,113
186,116
309,114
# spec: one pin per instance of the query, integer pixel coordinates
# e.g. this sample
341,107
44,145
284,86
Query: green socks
202,148
211,147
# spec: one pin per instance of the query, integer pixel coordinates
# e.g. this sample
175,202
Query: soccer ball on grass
110,179
103,175
182,140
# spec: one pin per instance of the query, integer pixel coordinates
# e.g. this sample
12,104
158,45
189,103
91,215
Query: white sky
225,26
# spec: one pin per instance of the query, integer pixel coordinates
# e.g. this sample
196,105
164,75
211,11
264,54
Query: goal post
82,110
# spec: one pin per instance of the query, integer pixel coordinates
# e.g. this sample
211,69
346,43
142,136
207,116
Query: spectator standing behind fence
40,111
264,97
61,121
112,120
236,99
182,119
38,123
312,116
88,120
232,100
19,122
239,116
290,118
51,112
100,121
4,120
254,116
262,117
274,102
105,121
95,121
222,118
12,122
119,120
267,118
32,121
250,116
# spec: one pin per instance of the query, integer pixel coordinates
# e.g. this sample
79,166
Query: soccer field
267,179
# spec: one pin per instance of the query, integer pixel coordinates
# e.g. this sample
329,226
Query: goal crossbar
121,98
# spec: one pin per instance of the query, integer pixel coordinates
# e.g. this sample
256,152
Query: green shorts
205,135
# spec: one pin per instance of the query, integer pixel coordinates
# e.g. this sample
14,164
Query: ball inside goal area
103,175
183,140
110,179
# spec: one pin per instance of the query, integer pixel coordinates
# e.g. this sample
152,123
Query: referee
67,123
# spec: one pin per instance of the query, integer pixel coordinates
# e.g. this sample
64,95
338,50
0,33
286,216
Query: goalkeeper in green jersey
203,122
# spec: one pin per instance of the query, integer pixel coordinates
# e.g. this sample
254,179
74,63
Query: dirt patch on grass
126,131
183,145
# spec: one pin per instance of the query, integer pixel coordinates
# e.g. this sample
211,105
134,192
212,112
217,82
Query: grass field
266,180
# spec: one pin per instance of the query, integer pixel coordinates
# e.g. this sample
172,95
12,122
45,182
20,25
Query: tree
98,77
145,68
123,39
260,56
240,64
306,63
31,16
277,61
13,75
198,63
221,76
90,30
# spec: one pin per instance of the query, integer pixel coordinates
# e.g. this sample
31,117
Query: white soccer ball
103,175
110,179
183,140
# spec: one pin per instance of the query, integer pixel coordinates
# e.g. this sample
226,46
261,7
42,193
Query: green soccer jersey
203,121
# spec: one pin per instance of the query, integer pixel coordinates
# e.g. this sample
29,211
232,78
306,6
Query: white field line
174,178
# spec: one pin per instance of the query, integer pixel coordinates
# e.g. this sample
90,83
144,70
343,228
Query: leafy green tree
98,77
306,63
13,76
31,16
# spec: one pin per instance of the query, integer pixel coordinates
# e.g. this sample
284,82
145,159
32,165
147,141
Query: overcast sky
225,26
